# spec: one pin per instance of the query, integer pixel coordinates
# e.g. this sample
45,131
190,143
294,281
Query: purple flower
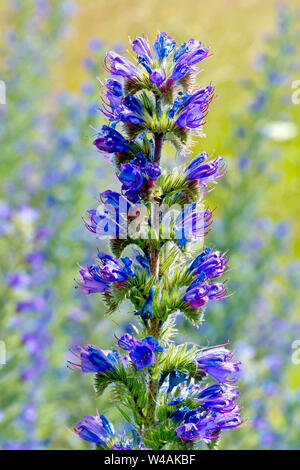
195,108
128,109
111,141
110,269
198,295
141,47
190,53
157,77
95,44
18,280
35,304
192,225
163,45
111,218
206,172
219,364
147,309
212,265
209,427
186,415
131,177
141,353
153,171
180,70
96,429
118,65
218,398
191,117
91,282
93,359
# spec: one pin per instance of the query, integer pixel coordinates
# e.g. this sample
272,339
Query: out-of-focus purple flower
6,212
93,359
35,304
20,279
157,77
95,429
35,259
163,45
219,364
111,141
95,44
118,65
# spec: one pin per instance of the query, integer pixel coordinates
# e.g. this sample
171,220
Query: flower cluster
151,101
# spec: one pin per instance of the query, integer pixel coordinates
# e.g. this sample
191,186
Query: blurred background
52,52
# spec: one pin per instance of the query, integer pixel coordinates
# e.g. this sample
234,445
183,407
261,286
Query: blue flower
147,309
211,265
111,141
163,45
141,47
118,65
131,177
93,359
198,294
141,353
218,363
95,429
175,378
157,77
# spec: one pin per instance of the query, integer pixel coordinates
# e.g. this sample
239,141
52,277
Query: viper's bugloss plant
174,396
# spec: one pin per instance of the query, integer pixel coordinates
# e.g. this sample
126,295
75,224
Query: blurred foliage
51,175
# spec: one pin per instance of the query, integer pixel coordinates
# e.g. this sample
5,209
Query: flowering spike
152,222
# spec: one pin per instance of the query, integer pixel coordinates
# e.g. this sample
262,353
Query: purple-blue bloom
219,364
111,141
115,64
157,77
93,359
212,265
198,294
141,353
163,45
95,429
91,281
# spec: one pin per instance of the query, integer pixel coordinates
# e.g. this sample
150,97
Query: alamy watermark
296,354
2,92
296,94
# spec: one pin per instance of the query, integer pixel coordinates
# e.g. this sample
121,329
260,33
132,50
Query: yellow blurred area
234,30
